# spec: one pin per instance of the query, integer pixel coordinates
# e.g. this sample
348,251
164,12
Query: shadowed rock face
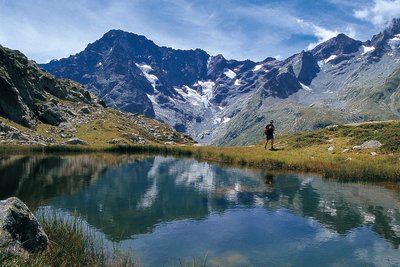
26,90
19,229
305,67
112,68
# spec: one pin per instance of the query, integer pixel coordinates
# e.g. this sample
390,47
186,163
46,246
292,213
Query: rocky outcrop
305,67
26,90
371,144
20,232
11,135
50,113
32,97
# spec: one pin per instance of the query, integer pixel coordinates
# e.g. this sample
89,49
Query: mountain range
228,102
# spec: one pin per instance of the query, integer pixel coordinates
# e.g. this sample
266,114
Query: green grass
386,133
296,152
307,139
70,245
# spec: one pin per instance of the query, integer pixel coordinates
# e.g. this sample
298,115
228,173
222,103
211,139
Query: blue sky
238,29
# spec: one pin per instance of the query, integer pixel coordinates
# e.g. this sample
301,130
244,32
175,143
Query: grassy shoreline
70,245
361,167
320,151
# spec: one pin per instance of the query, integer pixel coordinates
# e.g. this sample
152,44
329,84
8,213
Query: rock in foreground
20,232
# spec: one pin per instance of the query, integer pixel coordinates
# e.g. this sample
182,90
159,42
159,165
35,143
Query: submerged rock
20,232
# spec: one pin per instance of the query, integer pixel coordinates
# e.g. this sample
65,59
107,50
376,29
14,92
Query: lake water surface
166,211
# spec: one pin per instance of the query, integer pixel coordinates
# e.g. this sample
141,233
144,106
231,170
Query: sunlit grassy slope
328,151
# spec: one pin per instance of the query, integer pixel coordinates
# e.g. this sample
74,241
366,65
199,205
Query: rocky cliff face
61,111
27,92
222,101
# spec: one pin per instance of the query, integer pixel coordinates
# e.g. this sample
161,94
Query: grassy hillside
98,127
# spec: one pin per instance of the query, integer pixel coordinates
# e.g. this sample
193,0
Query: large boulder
20,232
371,144
51,114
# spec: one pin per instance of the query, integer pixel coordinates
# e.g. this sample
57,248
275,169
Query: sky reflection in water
169,210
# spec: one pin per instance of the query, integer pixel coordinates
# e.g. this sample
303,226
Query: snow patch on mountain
192,96
305,87
230,74
238,82
226,119
394,42
258,67
221,120
153,101
196,98
217,120
207,88
332,57
146,69
367,49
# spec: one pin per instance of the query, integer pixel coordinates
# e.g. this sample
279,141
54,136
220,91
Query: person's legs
266,143
272,143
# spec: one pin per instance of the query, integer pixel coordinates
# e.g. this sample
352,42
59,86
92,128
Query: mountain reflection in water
126,197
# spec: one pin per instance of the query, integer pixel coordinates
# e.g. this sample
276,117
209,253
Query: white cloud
49,29
380,12
361,14
323,34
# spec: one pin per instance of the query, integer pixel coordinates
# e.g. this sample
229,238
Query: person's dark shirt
271,128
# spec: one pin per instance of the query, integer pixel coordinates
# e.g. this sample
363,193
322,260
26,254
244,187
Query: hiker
269,134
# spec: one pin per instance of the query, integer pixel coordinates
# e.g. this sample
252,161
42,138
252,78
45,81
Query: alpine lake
169,211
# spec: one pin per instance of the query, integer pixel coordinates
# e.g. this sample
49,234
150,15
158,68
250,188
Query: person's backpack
267,130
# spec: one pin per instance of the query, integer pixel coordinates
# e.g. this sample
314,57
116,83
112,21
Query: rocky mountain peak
394,27
215,65
341,44
382,40
269,59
